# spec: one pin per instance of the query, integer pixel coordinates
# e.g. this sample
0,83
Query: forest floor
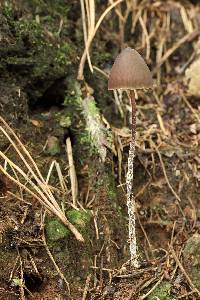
39,257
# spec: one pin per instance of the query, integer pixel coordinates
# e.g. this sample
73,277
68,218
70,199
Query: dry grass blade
91,36
87,27
184,39
41,190
72,172
87,283
148,50
35,172
153,288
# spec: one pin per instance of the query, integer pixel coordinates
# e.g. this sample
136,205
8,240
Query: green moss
16,281
111,188
79,218
32,30
53,8
33,56
53,146
65,121
55,230
7,11
92,108
73,97
162,292
101,57
85,140
191,255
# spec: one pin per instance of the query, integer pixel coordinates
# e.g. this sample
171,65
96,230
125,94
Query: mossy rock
55,229
162,292
191,256
53,146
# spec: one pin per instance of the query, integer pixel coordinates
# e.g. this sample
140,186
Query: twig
153,288
87,284
197,116
183,270
187,37
55,265
165,174
144,232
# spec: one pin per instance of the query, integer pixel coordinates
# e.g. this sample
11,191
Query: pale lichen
94,126
192,75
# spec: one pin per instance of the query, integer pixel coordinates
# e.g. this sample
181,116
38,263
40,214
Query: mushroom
130,72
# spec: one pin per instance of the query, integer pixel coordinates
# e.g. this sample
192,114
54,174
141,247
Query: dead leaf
37,123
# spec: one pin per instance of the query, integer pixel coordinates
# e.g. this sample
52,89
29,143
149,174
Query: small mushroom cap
129,72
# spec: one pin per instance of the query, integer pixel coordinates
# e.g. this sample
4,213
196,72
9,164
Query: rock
192,75
191,255
162,292
53,145
109,290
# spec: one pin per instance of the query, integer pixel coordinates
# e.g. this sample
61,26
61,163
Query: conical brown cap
129,72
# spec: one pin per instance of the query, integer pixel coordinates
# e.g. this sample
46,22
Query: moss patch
191,256
55,230
79,218
162,292
36,54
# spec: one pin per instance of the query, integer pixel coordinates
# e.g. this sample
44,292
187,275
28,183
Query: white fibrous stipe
131,201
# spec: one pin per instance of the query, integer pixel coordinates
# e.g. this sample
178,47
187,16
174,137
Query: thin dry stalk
144,232
60,176
87,284
197,115
54,263
118,103
87,27
147,39
72,172
165,174
186,21
122,16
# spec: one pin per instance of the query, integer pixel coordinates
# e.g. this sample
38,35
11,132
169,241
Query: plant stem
129,183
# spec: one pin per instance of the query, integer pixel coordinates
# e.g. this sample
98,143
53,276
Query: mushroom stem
129,184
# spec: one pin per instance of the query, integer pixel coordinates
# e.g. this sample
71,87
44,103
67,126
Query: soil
41,43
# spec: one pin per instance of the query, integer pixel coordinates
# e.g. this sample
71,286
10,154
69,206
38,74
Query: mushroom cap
129,72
